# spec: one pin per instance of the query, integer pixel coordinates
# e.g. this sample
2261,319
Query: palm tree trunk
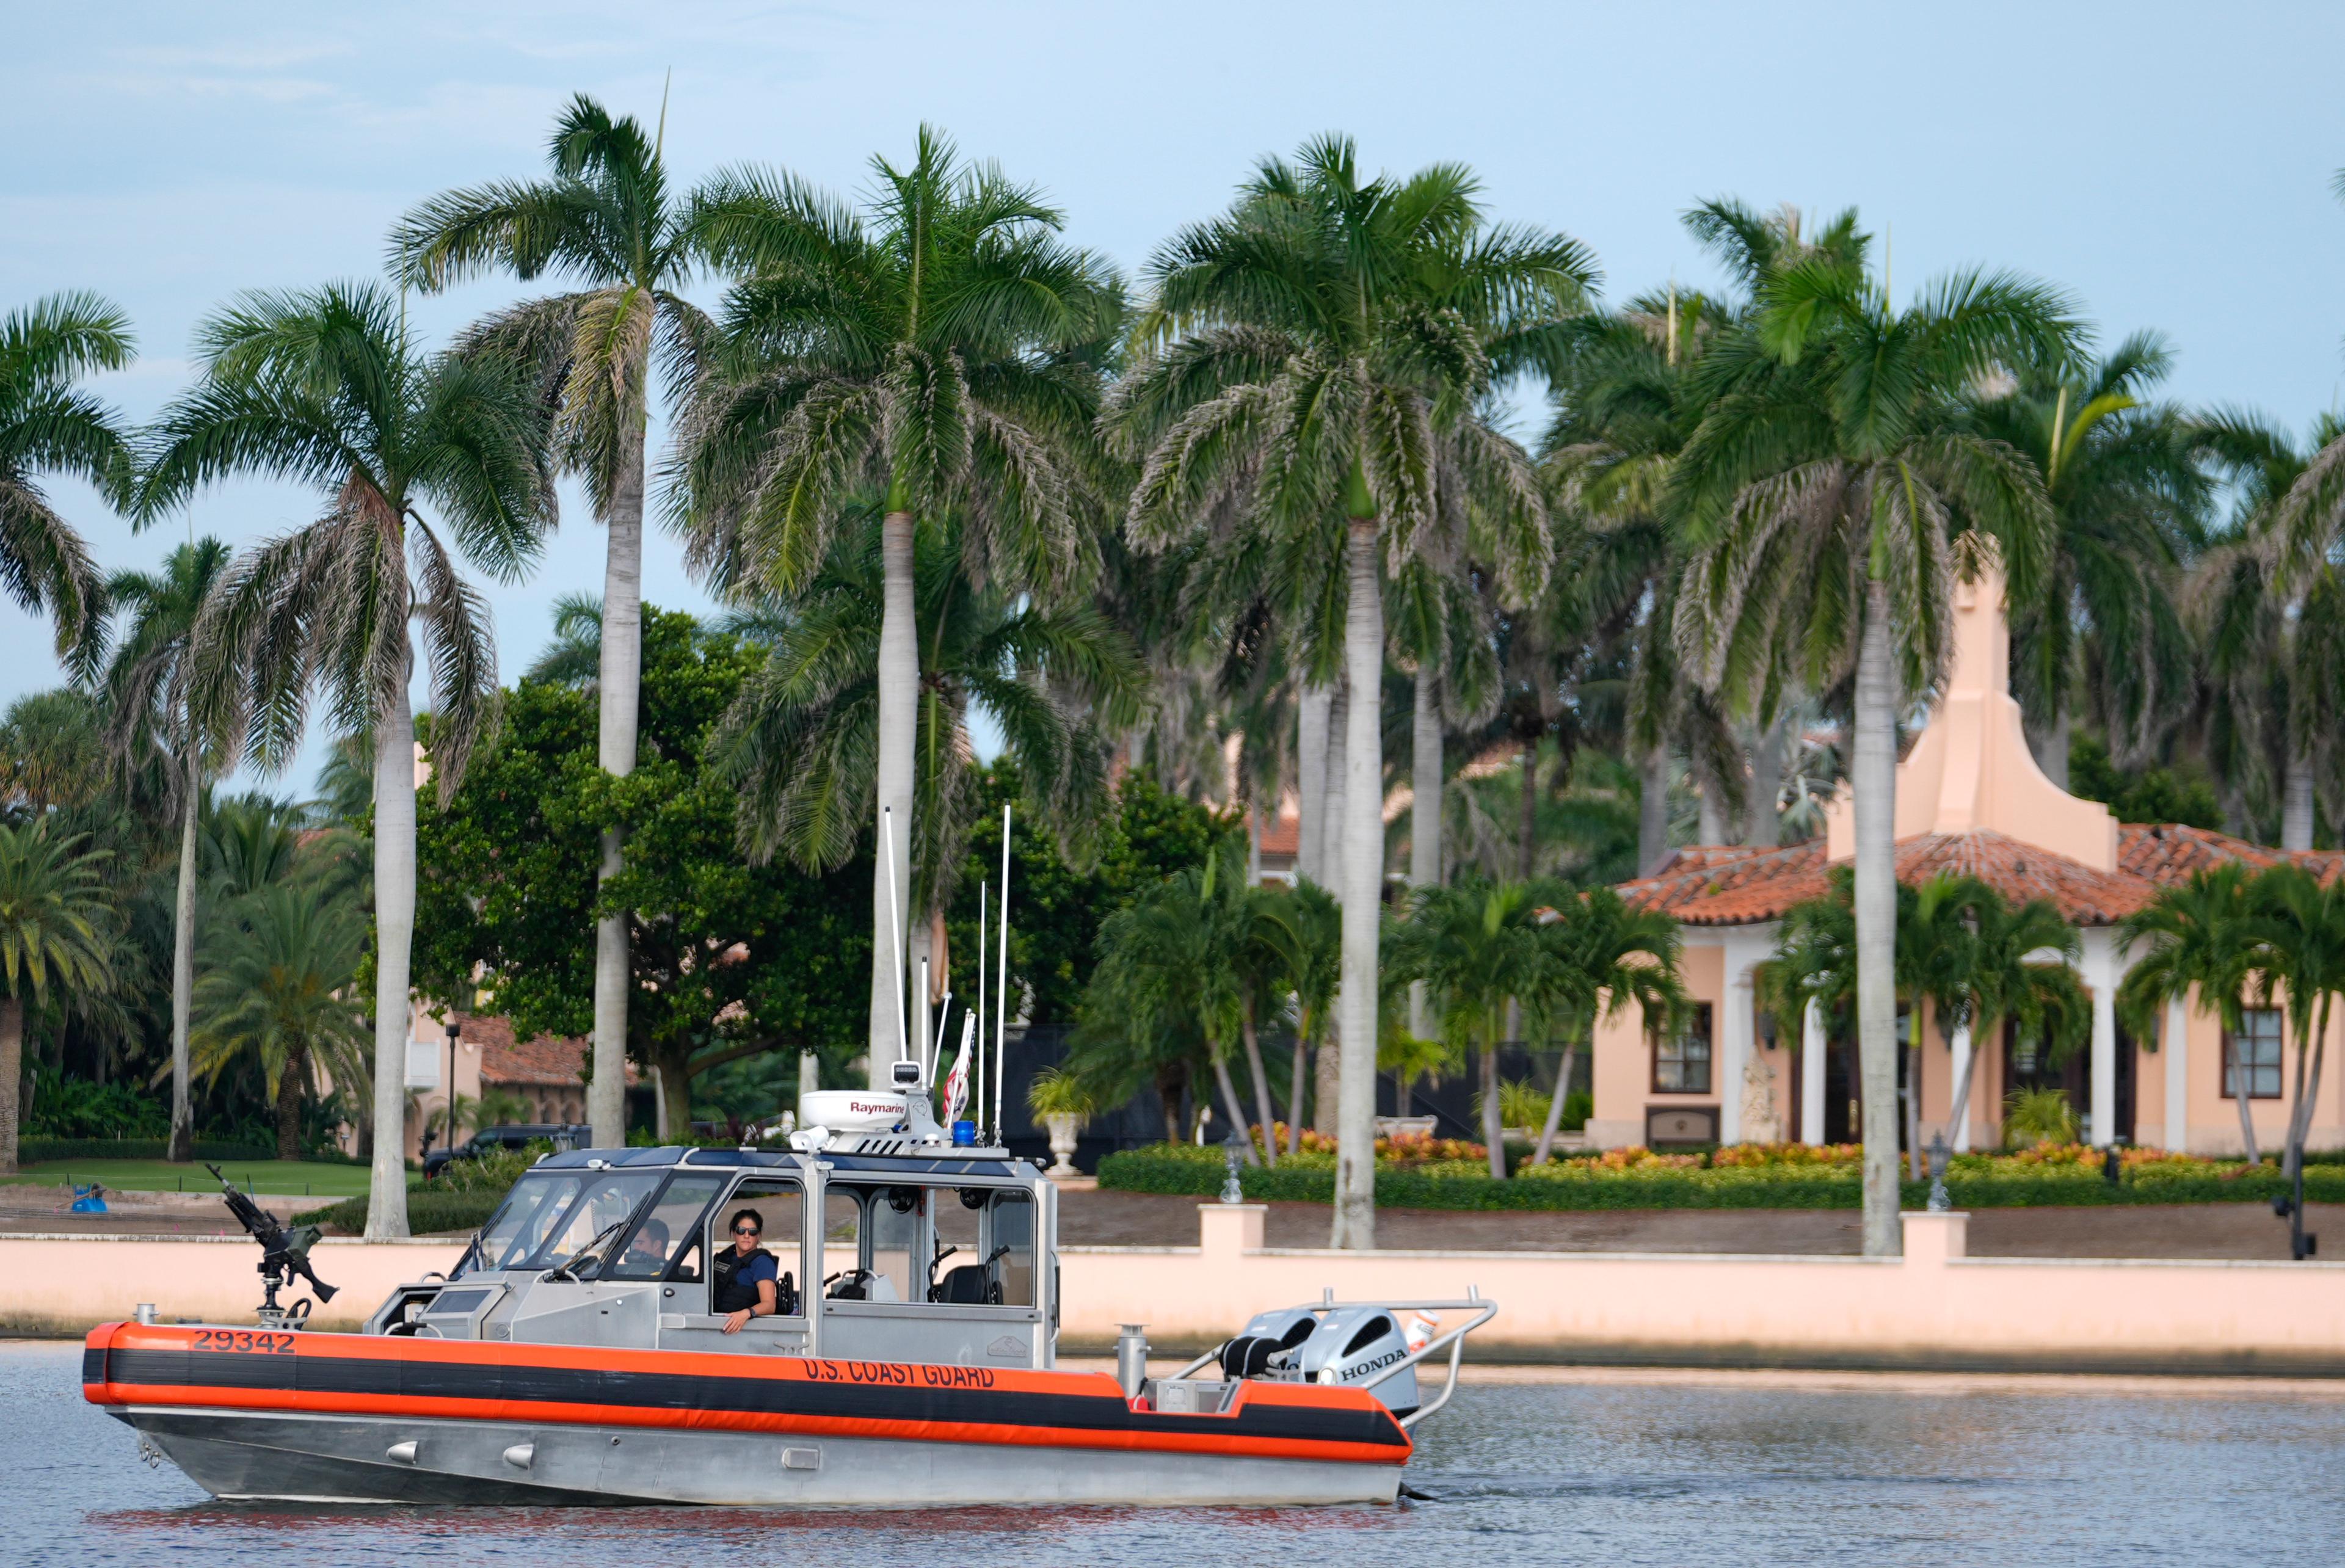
1310,713
899,695
1762,825
1261,1085
1424,813
1296,1093
2240,1086
620,679
1327,1083
1653,811
2295,814
394,929
1709,804
675,1069
1873,778
1555,1103
1234,1108
182,1147
1362,878
1327,1114
1527,816
1958,1115
11,1074
1913,1102
1494,1121
290,1079
2052,750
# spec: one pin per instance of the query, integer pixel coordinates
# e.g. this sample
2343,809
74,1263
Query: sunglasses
745,1230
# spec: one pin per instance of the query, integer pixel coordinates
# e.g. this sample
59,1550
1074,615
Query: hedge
428,1209
1577,1186
41,1151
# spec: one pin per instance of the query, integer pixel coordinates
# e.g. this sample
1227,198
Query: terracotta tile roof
544,1060
1713,884
1710,885
1283,833
2171,852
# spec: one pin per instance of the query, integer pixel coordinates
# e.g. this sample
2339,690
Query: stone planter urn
1064,1126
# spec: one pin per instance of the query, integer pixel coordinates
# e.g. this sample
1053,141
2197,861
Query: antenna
936,1047
1002,983
977,1067
895,922
928,1021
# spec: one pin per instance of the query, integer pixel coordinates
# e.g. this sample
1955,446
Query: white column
1812,1074
2177,1076
2100,974
1959,1116
1734,1054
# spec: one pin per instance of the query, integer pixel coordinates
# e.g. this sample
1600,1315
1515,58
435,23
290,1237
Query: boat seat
970,1285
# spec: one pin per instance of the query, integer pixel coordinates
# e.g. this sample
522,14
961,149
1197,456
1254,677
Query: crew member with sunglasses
746,1275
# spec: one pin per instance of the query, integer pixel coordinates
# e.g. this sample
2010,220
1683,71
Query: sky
2169,166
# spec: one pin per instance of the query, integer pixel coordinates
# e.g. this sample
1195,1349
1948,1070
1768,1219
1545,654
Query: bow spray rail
1452,1340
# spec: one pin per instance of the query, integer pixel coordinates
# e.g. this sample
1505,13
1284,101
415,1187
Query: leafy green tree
729,960
2206,938
48,425
940,352
155,717
1317,358
607,222
325,389
278,967
2149,794
54,909
1831,499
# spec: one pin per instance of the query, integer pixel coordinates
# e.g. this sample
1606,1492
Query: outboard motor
1346,1345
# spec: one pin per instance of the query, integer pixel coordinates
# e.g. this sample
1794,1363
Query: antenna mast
977,1067
1001,984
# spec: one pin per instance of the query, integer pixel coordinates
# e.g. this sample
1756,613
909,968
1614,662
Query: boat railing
1452,1340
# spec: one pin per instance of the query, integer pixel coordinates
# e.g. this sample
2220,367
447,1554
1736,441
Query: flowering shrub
1777,1154
1402,1151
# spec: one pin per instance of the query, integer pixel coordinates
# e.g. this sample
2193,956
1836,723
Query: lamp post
1939,1202
454,1028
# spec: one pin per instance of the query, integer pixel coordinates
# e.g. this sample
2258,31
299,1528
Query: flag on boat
957,1081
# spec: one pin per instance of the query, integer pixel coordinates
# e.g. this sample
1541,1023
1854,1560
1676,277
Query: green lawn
273,1176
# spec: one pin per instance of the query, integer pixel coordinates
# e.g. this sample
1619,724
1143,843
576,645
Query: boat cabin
937,1256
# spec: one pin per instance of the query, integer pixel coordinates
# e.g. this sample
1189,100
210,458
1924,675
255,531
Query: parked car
491,1139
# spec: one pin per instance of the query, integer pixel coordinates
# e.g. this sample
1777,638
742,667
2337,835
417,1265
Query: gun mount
283,1255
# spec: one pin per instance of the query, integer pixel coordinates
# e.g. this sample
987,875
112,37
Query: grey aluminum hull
305,1458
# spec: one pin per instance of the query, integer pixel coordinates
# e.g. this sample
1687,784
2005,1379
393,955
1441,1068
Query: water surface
1730,1472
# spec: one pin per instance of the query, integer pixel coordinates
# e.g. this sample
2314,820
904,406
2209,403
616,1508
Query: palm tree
940,352
1604,958
1477,949
277,964
324,388
49,426
1317,358
2304,922
606,221
54,911
801,741
2126,492
1999,978
1309,933
1831,499
2271,609
2205,936
154,714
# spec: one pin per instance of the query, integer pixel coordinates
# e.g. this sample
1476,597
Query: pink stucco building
1970,799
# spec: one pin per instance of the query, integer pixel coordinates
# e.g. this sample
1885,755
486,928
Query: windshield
523,1221
607,1199
549,1215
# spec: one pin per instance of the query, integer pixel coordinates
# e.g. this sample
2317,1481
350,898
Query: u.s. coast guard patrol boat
574,1354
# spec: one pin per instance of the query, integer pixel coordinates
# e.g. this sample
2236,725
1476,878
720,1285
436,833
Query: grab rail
1454,1340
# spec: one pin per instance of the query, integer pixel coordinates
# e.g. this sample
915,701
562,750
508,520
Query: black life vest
731,1293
